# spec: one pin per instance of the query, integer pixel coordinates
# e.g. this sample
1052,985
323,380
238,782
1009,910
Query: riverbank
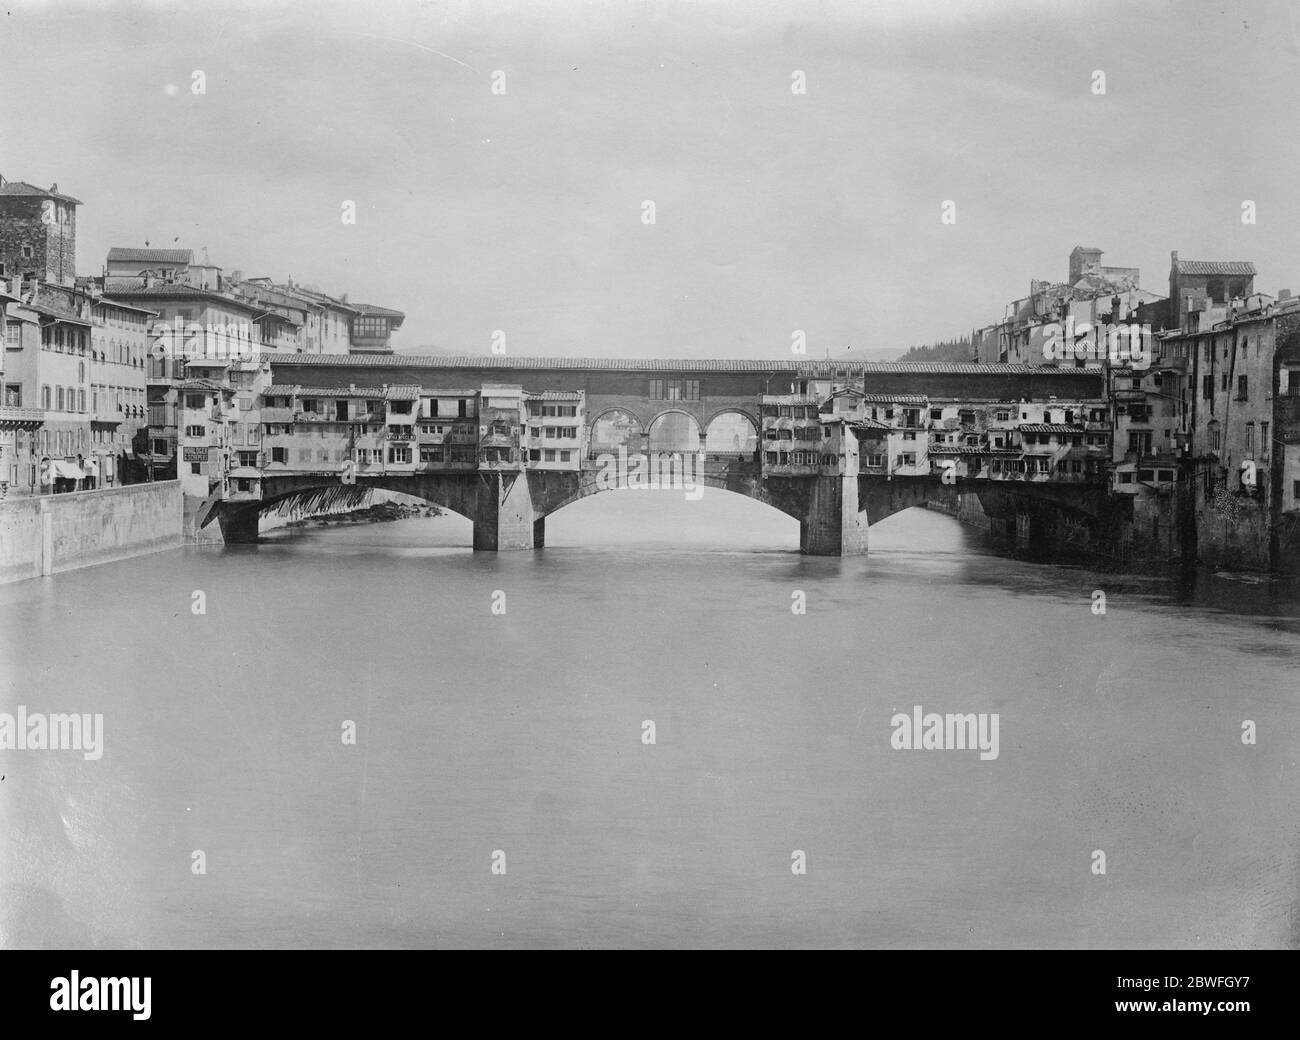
49,534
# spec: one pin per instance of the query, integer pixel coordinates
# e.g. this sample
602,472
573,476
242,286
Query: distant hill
946,350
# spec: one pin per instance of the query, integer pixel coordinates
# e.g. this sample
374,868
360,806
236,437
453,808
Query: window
14,395
248,459
1126,477
548,455
431,454
196,431
1207,387
534,454
280,455
675,389
196,468
195,401
1003,415
566,456
399,453
936,414
45,398
1241,388
59,398
27,252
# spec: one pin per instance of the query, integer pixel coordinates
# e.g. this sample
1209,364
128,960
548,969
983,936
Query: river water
521,733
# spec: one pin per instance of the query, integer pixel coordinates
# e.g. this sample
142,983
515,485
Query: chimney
1173,256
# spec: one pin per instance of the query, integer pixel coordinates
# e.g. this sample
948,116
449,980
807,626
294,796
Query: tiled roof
23,188
175,290
1050,428
203,384
151,256
1228,267
967,449
869,424
405,392
894,399
286,389
123,284
371,310
676,365
555,395
50,312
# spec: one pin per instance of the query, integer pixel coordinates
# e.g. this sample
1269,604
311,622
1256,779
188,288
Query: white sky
774,212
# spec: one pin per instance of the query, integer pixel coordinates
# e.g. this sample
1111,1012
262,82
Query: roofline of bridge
965,368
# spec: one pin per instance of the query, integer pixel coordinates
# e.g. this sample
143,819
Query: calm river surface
522,732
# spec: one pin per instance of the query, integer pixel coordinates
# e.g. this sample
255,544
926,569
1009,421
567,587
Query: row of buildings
1211,397
93,367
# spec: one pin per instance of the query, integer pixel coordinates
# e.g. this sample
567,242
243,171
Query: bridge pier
504,518
834,526
238,526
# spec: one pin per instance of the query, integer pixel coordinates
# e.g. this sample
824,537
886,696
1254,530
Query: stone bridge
508,506
509,509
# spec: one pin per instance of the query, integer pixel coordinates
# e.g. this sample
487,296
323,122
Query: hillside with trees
945,350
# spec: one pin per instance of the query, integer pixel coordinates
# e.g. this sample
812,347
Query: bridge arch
673,430
455,495
614,428
731,431
589,484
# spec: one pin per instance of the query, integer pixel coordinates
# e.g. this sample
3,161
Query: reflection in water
521,732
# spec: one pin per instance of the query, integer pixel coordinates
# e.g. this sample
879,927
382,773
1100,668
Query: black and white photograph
605,475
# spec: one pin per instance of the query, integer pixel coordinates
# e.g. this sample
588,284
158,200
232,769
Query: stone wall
52,533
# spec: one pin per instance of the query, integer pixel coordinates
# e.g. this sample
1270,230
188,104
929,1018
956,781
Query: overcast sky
773,211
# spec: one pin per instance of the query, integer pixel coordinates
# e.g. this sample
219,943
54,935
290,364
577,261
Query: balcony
17,416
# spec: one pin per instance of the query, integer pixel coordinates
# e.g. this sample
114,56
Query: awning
68,470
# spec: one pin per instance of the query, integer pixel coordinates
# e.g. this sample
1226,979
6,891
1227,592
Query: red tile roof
1226,267
23,188
151,256
675,365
